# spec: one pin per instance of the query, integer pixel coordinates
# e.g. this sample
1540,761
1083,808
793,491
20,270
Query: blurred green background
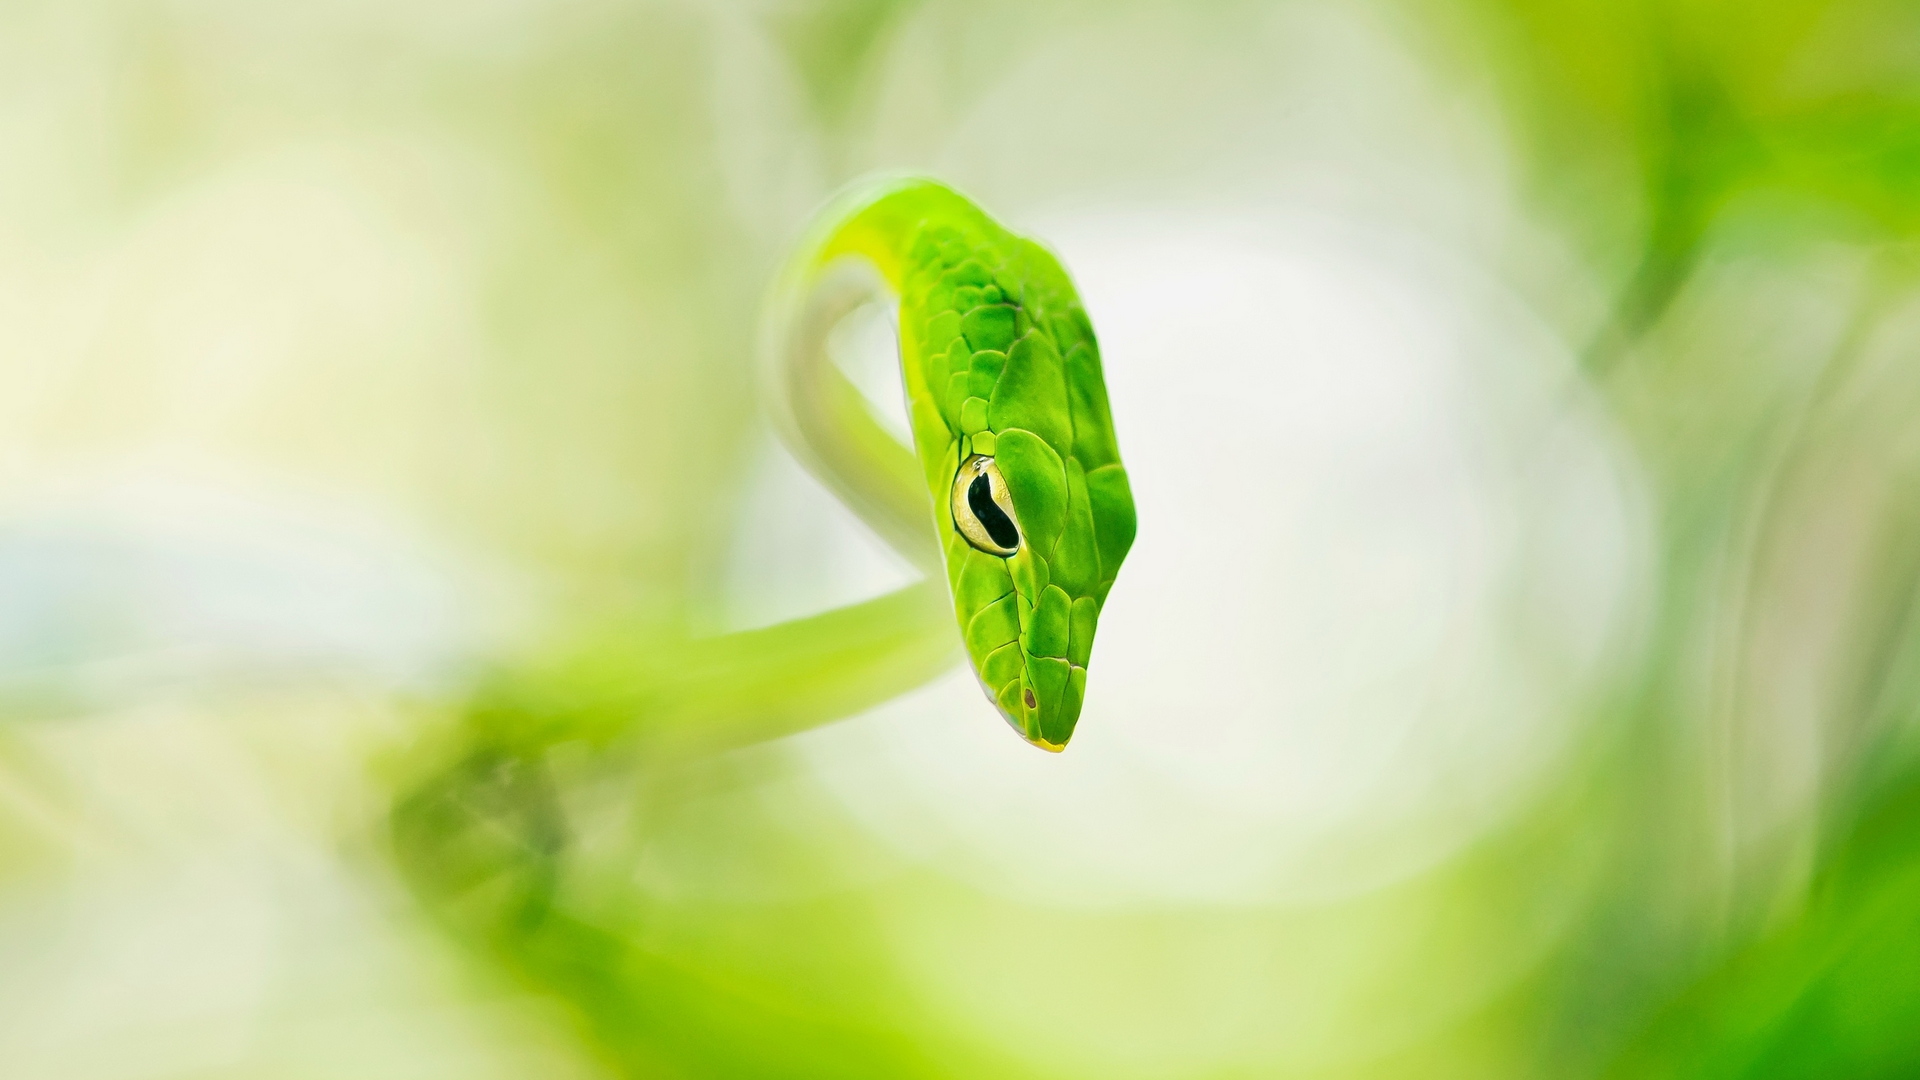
1517,674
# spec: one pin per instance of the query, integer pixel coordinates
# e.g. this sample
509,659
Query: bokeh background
1516,674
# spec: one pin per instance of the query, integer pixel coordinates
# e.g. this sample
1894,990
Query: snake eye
982,510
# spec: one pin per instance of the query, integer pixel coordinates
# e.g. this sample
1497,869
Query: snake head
1029,577
1032,499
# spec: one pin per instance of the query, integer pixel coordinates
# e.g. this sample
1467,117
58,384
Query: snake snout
1019,723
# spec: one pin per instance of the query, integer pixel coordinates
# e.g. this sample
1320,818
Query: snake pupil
991,517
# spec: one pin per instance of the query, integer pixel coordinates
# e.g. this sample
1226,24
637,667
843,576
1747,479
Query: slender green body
1013,500
1013,433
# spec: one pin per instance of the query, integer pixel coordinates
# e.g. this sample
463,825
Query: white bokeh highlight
1386,548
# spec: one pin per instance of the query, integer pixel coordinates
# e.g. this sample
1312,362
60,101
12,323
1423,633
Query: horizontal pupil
991,517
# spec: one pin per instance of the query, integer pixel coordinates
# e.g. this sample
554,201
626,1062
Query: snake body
1012,500
1015,474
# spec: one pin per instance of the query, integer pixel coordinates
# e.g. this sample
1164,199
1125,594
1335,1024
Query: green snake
1013,502
1014,488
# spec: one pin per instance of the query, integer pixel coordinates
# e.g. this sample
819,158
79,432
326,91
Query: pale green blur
1514,676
